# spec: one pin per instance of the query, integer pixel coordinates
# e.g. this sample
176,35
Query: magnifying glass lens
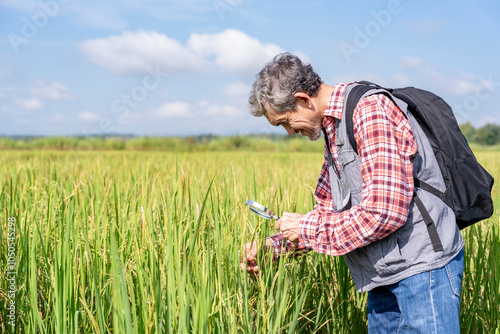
260,210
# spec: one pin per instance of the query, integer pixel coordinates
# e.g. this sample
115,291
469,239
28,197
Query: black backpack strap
431,227
352,100
364,82
427,187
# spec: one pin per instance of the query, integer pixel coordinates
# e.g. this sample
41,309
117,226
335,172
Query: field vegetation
149,242
487,137
208,143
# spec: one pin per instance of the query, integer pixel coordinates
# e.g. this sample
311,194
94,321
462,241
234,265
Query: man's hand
288,224
249,259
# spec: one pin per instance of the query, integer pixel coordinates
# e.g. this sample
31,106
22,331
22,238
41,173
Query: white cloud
455,85
203,109
35,96
460,85
178,109
116,15
52,91
88,116
234,50
136,52
237,89
411,62
224,110
28,104
486,119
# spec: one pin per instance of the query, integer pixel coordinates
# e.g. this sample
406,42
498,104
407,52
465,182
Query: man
365,209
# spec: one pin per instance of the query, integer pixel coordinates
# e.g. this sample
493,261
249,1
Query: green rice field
150,242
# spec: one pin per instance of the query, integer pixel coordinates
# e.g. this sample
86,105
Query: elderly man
365,209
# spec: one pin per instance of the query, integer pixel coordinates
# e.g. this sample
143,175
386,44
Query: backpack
468,184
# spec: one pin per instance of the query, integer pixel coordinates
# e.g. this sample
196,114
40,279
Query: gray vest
408,250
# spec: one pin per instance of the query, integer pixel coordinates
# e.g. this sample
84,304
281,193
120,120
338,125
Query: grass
149,242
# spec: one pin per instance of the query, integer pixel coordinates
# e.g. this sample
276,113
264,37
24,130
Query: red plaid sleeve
283,246
386,147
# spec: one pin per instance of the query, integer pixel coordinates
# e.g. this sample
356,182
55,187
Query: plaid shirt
386,148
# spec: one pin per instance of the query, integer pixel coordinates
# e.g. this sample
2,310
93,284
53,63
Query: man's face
302,120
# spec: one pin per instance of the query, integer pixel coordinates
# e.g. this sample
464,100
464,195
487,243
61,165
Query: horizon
199,135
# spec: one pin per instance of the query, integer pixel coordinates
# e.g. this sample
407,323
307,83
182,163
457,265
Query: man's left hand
288,224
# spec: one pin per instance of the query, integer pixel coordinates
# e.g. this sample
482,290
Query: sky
179,68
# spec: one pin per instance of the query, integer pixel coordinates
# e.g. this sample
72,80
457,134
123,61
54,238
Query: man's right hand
249,258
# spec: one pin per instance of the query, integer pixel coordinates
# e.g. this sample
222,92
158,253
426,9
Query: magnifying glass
261,210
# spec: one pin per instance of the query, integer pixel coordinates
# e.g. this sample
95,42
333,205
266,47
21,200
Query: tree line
257,143
488,134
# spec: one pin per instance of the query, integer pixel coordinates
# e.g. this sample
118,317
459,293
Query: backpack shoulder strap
352,100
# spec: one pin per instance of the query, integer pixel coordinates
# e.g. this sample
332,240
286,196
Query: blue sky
168,68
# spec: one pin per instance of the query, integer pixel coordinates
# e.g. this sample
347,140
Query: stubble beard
315,134
317,131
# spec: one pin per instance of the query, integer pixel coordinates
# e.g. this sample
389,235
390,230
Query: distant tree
488,135
468,130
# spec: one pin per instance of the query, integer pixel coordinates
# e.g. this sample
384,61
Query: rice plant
150,242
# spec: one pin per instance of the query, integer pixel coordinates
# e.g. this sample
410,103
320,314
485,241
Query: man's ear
303,98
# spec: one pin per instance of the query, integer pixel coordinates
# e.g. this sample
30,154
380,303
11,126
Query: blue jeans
428,302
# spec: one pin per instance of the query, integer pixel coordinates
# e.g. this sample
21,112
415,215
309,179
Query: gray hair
278,82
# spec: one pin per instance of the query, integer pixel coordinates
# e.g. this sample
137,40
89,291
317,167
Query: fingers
277,225
282,223
288,224
251,251
250,268
248,262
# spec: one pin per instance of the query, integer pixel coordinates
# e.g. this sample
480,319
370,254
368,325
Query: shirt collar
336,103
